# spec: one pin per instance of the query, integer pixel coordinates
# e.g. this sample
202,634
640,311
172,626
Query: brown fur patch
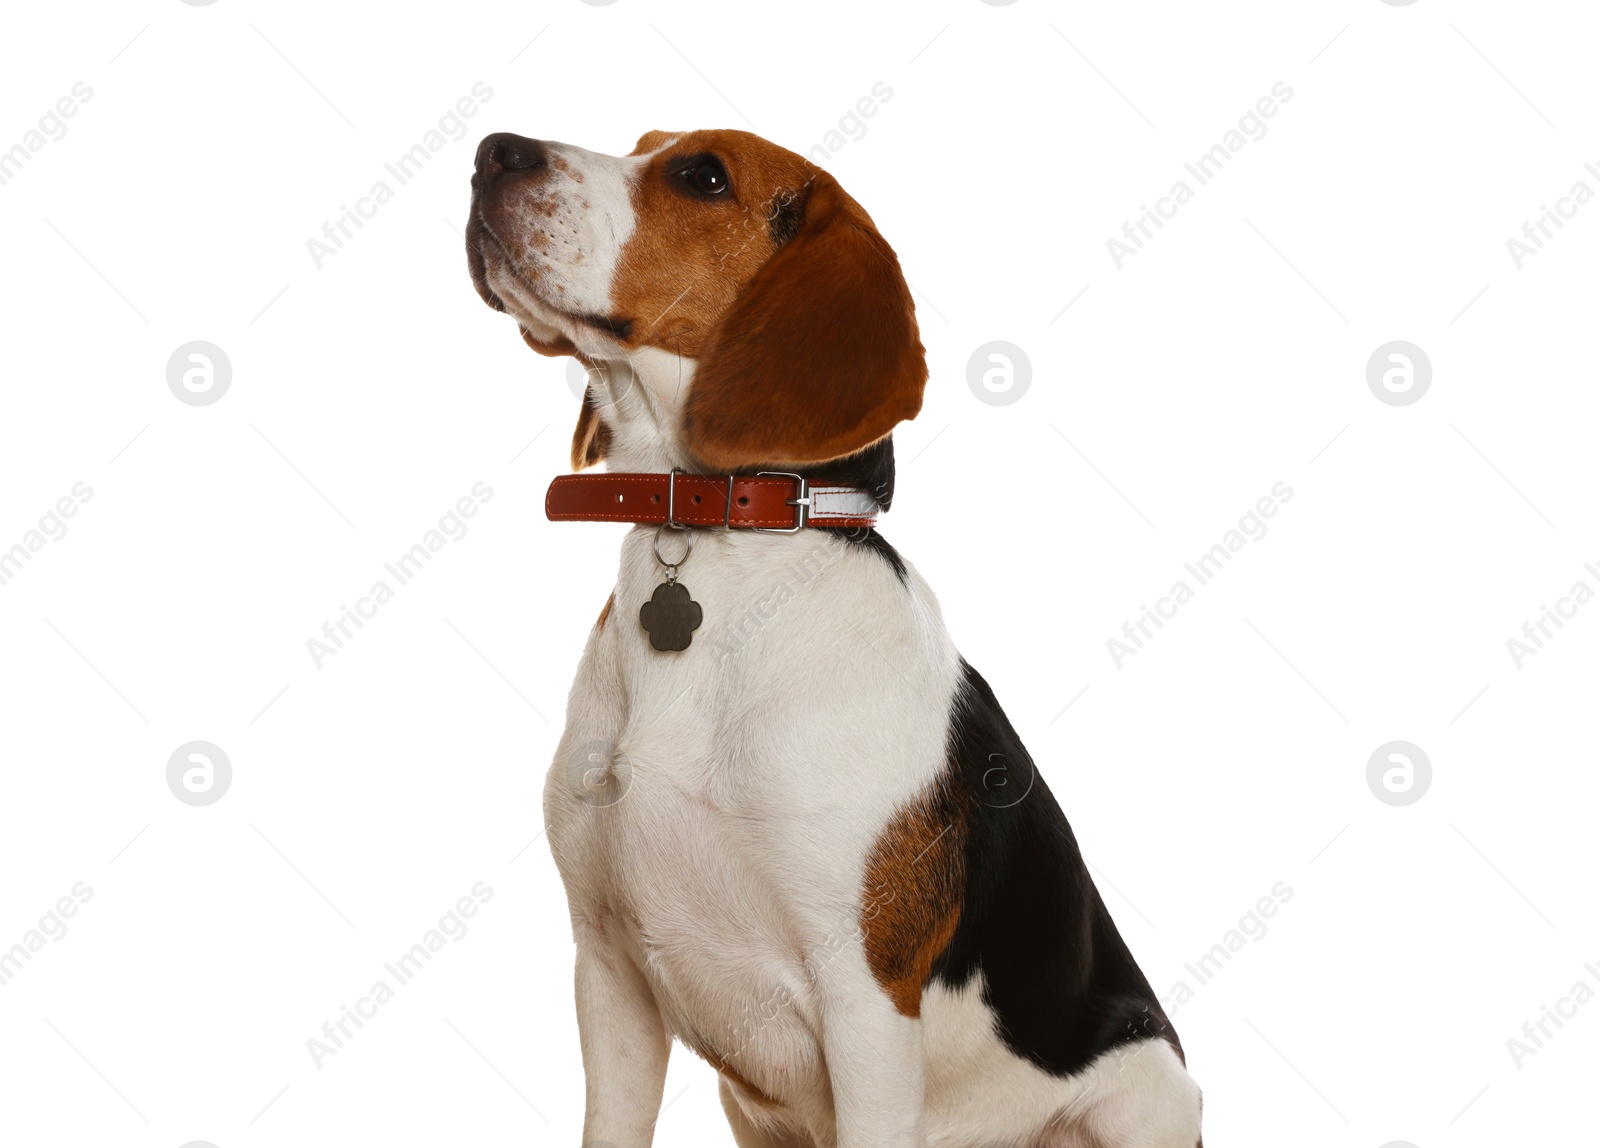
711,1057
751,1092
605,612
806,335
591,438
912,900
690,257
561,345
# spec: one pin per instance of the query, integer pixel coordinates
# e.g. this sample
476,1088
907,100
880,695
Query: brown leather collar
769,500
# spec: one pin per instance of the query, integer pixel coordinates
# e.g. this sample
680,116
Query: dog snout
504,152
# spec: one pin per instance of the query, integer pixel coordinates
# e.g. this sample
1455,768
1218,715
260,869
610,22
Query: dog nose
503,152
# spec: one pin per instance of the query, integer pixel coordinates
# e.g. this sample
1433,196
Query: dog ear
820,356
591,438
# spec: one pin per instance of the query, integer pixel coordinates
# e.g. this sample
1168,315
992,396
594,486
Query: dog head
733,304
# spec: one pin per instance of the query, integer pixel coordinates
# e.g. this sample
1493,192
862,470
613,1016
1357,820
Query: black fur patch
875,542
1056,971
871,470
786,214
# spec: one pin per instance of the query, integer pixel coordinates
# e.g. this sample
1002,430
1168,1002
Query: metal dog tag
671,616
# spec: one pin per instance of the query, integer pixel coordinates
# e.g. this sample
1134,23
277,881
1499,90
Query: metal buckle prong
672,485
801,502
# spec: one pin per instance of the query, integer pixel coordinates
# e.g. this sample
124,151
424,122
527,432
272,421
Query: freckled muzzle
504,166
521,229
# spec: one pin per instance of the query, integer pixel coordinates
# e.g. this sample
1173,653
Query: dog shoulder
979,878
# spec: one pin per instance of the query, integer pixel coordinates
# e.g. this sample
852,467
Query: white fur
1136,1096
712,812
758,768
583,209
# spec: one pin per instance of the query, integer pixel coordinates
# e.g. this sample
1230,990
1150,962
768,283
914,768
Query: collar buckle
672,507
801,502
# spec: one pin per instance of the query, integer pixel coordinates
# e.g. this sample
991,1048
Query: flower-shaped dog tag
670,617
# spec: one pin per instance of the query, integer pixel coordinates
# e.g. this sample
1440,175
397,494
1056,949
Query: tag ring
688,545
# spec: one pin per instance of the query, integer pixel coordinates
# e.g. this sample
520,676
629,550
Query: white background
370,394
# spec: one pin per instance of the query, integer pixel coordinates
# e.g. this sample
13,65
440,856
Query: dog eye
706,176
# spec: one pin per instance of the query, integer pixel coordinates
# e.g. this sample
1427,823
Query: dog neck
640,404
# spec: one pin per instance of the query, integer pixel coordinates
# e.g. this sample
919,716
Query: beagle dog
796,830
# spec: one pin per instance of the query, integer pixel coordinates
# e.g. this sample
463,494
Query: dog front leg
875,1065
625,1046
